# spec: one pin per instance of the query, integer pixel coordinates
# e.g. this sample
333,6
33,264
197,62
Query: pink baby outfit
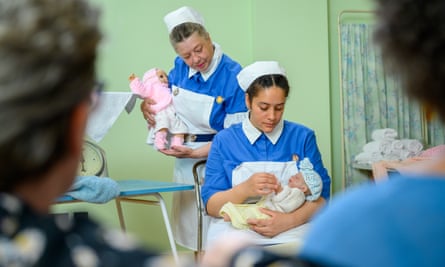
165,117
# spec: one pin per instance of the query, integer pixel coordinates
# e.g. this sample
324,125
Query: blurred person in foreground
47,81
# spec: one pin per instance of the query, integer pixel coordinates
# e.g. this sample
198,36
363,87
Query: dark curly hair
411,34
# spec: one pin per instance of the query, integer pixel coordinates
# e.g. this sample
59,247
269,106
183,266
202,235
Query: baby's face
163,78
297,181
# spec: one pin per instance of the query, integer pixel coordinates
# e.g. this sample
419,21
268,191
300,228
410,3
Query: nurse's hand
280,222
178,152
187,152
276,224
147,112
261,183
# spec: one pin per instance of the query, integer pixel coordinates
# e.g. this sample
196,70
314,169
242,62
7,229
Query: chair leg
198,181
120,214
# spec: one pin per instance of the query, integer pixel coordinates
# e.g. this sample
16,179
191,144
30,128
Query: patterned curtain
371,99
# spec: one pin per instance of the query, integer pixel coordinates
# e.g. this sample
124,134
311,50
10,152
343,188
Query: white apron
283,171
194,109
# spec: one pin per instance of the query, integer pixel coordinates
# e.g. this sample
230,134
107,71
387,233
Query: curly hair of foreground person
48,52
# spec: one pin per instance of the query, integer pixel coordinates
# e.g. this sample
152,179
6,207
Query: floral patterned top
31,239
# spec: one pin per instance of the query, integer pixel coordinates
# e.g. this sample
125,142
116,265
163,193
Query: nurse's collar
253,133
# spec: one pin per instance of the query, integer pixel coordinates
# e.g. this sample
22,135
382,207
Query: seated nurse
250,160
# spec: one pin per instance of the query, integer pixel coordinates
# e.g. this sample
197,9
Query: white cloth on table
111,104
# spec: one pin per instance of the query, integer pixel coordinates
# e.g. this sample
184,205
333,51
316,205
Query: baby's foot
177,141
160,140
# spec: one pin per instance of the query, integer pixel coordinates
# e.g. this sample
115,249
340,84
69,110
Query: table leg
160,201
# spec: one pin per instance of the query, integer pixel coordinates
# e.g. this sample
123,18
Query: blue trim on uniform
200,137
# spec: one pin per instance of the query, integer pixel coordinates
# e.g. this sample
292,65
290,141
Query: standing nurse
207,97
249,159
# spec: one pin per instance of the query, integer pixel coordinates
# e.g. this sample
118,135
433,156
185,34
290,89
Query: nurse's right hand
262,183
147,111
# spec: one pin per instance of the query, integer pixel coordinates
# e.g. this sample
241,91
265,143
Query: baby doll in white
154,84
304,185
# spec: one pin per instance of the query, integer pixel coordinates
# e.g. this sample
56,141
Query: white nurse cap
182,15
257,69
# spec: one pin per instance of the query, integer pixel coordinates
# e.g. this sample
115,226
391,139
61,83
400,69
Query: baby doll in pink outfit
154,84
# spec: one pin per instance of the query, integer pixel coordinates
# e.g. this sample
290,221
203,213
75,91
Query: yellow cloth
239,213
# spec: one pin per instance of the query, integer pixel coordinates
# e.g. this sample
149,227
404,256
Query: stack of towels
385,146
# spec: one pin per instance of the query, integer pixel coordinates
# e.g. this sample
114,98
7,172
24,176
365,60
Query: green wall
300,34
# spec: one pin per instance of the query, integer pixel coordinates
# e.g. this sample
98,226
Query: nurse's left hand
276,224
187,152
178,152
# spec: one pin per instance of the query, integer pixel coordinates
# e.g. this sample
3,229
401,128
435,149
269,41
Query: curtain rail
343,12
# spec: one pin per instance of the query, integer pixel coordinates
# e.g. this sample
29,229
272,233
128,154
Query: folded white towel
396,145
412,145
373,146
386,133
404,154
366,157
381,146
394,155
